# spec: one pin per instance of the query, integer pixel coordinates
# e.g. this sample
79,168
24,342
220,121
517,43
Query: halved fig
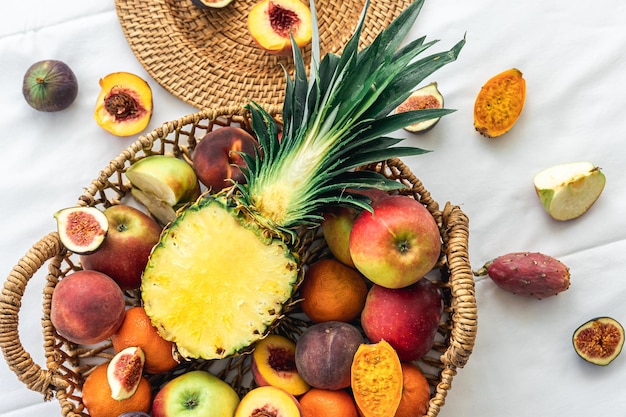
428,97
211,4
81,229
599,340
124,105
124,372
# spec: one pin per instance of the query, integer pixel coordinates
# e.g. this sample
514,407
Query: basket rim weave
207,58
51,381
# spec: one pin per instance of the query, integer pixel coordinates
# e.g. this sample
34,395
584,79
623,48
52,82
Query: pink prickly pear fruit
528,274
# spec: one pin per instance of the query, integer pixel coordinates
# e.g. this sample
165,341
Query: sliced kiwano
599,340
428,97
81,229
377,379
499,103
124,372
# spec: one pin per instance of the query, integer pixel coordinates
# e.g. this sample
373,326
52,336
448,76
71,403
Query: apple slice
163,183
567,191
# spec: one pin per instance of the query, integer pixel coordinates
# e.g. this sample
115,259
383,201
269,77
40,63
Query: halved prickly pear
529,274
81,229
499,103
599,340
124,372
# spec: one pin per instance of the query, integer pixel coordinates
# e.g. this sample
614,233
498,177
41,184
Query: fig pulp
599,340
49,86
81,229
124,372
428,97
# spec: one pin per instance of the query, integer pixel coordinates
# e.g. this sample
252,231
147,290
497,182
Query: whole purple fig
49,86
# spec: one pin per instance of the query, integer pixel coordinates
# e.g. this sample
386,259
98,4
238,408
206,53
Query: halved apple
163,183
567,191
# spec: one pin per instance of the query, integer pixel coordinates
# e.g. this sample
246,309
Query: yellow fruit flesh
213,286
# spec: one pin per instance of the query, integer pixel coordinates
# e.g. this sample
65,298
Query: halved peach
273,363
270,23
124,105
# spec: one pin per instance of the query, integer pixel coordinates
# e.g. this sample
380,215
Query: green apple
336,229
567,191
195,394
123,256
397,243
163,183
337,225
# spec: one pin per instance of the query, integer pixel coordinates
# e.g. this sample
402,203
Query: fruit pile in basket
228,258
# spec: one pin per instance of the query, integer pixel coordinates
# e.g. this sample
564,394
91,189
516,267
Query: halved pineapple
226,265
203,284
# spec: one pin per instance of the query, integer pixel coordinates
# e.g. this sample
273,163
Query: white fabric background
572,56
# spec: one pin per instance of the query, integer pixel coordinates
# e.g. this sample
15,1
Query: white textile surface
573,57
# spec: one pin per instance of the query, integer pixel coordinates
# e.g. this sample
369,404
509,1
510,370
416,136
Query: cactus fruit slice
528,274
81,229
124,372
499,103
428,97
567,191
599,340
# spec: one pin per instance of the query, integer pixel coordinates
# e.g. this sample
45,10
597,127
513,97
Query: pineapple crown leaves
336,120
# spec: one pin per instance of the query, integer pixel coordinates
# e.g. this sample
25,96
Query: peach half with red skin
395,244
87,307
124,105
274,363
271,24
217,159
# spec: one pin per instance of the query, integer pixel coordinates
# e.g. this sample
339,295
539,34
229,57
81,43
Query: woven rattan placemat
207,58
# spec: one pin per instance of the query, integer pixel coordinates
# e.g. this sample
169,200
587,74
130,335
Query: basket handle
19,361
463,333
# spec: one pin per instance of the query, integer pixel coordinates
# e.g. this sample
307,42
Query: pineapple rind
210,298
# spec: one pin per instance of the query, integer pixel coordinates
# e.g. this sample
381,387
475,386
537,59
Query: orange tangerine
415,392
332,291
97,397
137,330
318,402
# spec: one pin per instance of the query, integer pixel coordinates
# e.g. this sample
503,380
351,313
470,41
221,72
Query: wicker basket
68,364
207,57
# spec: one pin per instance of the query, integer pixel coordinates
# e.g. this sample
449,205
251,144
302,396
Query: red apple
195,394
396,244
124,254
216,158
407,318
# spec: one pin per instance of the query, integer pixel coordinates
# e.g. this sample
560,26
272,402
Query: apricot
217,159
124,105
272,22
87,307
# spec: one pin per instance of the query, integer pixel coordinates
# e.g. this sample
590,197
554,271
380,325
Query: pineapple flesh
224,269
211,266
